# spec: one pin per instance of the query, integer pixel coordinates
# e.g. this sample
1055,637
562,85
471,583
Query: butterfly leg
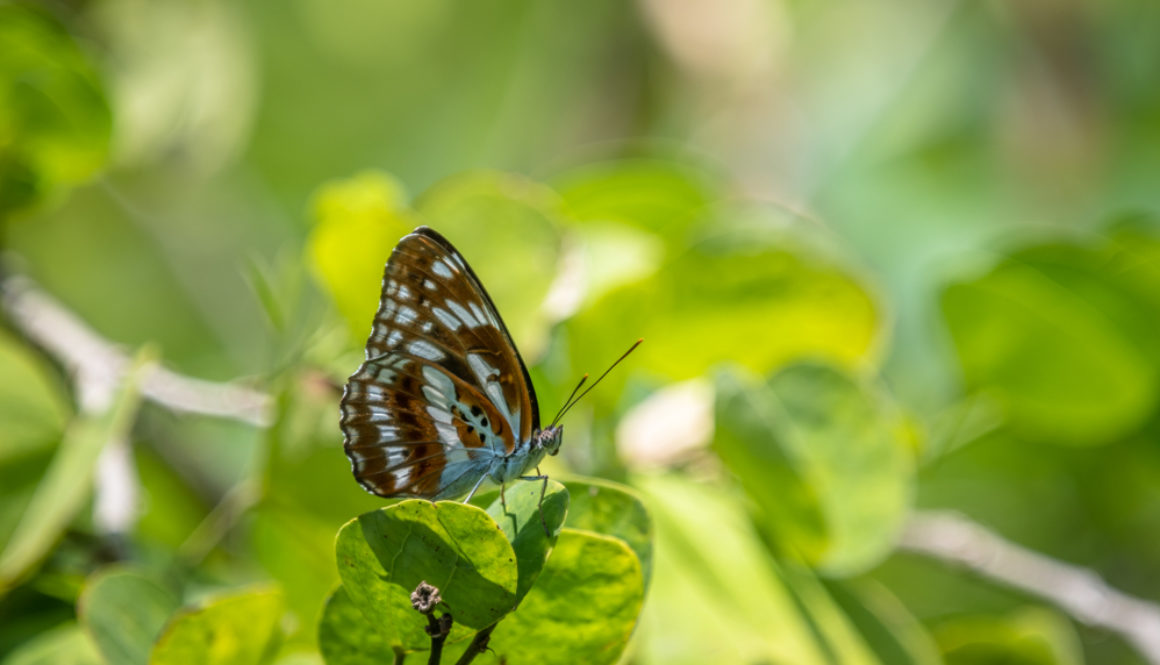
502,499
473,489
543,489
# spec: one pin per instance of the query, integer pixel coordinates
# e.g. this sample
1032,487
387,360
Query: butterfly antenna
573,394
569,403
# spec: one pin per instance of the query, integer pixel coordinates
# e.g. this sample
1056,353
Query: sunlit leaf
233,629
66,483
603,258
523,522
33,413
613,510
125,612
54,120
383,555
1032,636
661,196
357,223
65,645
1059,369
582,609
715,594
507,228
826,458
778,303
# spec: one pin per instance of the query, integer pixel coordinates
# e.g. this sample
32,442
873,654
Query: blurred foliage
55,120
911,251
836,506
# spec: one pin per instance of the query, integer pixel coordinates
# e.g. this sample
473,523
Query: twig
478,645
82,351
1078,591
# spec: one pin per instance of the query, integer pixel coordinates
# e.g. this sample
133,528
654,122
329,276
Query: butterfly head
550,438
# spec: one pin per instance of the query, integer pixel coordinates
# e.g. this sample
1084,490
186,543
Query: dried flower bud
425,597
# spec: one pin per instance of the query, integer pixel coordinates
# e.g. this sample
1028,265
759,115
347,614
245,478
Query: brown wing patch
389,437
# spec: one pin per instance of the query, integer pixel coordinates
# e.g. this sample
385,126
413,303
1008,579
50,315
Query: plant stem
478,645
438,629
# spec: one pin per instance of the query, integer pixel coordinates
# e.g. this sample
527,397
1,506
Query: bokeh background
897,265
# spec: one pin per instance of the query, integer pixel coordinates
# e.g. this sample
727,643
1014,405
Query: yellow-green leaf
357,223
233,629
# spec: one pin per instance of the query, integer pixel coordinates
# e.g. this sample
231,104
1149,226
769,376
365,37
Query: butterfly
443,401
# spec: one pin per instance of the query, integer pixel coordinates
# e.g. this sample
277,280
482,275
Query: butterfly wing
443,391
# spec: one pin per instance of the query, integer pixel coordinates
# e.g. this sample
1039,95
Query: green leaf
297,551
1033,636
581,610
1115,281
125,611
54,120
357,223
715,595
826,457
384,554
887,626
507,228
1059,368
778,301
612,509
835,631
661,196
33,414
33,405
345,637
233,629
523,526
64,645
65,485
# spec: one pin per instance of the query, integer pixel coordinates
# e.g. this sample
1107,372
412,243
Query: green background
887,257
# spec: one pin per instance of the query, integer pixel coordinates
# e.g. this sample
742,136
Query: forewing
434,307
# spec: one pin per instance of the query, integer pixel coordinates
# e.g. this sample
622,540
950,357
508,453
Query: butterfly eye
553,437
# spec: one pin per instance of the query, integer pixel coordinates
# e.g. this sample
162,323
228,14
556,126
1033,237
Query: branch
1078,591
89,356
